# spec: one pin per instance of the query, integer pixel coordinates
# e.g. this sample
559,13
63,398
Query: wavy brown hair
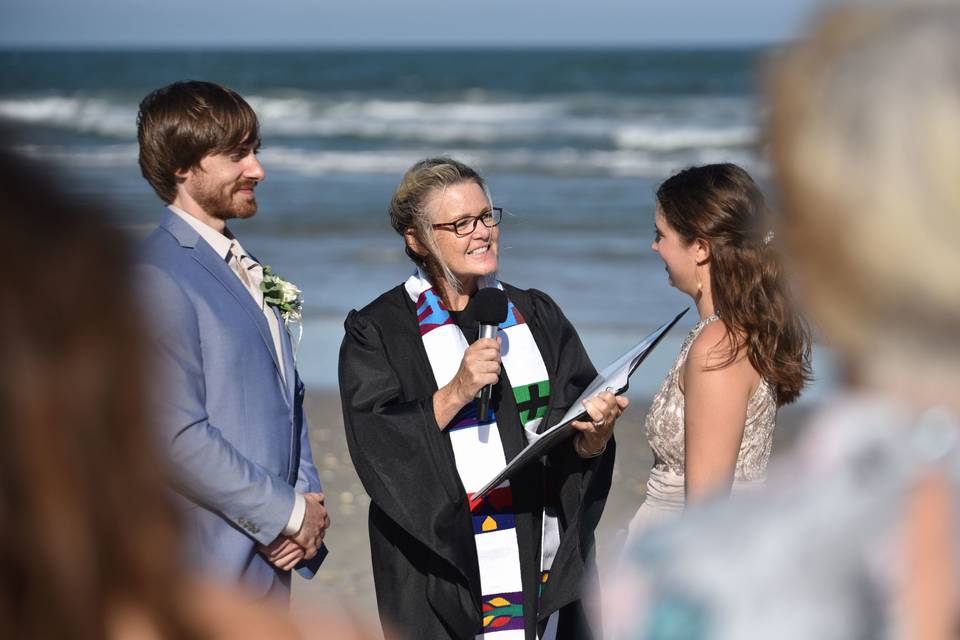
88,536
179,124
721,205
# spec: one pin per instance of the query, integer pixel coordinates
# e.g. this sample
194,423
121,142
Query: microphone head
490,306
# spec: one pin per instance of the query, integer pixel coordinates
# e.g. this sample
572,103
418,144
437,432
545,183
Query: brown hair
87,532
721,205
178,125
408,211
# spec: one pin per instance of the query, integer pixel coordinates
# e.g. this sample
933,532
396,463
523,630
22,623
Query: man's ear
410,237
182,174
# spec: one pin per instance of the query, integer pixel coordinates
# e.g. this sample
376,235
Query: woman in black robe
398,425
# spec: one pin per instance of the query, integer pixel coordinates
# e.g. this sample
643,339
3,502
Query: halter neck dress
665,494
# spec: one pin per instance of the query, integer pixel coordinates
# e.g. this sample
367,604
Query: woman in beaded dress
856,535
711,423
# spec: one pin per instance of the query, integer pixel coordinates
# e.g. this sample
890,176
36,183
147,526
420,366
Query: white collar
220,242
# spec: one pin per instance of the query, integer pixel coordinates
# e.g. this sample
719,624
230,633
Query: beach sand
346,580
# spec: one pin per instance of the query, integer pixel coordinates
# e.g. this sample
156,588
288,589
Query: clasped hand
603,409
286,552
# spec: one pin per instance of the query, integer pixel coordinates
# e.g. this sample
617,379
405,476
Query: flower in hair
768,238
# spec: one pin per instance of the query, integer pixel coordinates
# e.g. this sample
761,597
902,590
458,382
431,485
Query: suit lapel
289,364
219,269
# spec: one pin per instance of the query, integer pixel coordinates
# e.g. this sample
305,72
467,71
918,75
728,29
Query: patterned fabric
493,512
532,400
503,612
665,494
479,455
664,424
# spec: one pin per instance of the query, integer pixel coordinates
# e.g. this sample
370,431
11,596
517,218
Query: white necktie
249,270
251,275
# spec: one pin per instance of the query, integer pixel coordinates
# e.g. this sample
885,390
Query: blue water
573,144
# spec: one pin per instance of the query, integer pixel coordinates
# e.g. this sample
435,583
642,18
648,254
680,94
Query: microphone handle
483,398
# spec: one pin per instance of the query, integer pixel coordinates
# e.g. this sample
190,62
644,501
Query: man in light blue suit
231,402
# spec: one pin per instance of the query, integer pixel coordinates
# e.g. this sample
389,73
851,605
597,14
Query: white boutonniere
287,298
282,294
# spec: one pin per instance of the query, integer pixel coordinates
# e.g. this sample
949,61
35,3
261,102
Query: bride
711,423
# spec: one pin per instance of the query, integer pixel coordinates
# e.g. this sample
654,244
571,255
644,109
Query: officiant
516,564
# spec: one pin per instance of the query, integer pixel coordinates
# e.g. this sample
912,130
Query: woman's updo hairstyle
408,211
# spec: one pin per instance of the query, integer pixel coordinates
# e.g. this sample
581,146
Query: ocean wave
101,157
596,121
93,115
671,138
566,161
562,162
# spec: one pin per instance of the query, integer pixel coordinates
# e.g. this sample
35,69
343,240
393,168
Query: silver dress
665,495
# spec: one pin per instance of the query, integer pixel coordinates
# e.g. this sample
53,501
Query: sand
346,579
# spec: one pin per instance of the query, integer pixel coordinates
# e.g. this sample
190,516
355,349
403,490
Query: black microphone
490,309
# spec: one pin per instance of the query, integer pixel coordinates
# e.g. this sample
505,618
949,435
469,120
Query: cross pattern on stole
535,405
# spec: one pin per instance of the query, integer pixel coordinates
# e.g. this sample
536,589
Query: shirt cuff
296,516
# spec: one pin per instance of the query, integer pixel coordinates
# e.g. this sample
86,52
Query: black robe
421,536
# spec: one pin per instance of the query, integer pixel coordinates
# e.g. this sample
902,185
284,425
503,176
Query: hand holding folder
614,378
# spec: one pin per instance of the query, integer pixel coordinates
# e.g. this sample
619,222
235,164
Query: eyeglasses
466,225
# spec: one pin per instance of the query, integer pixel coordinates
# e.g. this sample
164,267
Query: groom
230,402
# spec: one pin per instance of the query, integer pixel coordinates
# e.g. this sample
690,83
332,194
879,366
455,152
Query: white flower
283,295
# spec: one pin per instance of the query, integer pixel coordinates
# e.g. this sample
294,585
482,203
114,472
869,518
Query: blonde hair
865,136
408,210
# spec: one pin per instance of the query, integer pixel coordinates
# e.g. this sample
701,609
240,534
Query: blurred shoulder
225,613
158,247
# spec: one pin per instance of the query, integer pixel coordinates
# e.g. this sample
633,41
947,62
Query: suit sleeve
207,467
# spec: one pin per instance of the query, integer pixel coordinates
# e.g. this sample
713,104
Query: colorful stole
479,455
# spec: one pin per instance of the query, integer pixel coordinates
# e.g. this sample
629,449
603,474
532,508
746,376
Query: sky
386,23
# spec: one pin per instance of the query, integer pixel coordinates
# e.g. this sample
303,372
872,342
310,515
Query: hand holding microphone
490,309
480,367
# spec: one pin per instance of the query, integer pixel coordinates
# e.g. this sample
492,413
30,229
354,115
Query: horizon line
702,45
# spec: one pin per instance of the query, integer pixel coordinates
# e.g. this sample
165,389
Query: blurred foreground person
857,537
711,423
89,547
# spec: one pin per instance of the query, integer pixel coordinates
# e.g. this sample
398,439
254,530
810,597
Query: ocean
572,143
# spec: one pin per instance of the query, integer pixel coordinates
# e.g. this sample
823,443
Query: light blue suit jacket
235,431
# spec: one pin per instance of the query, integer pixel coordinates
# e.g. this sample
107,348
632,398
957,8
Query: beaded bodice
665,421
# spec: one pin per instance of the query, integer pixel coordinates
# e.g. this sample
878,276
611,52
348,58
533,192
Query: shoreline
345,580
